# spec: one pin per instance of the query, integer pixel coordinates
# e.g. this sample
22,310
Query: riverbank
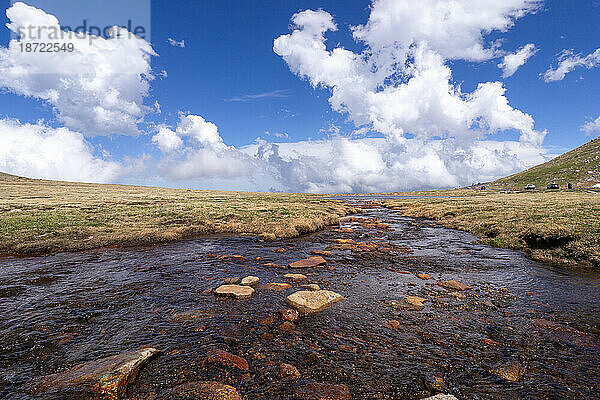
552,227
39,216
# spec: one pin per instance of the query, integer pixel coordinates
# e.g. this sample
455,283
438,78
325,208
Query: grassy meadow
558,227
38,216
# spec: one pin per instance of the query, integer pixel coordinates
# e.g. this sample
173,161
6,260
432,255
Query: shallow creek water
61,310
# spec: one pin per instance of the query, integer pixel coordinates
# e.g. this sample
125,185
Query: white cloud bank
97,89
568,61
38,151
401,86
512,62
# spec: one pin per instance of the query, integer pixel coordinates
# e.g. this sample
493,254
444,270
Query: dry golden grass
554,227
38,216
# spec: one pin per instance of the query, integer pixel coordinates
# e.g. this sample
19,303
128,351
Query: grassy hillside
581,167
559,227
38,216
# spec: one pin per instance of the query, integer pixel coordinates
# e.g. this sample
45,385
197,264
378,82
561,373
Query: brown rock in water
278,286
235,291
232,281
425,277
227,360
322,391
344,241
393,324
250,281
107,377
415,302
288,372
287,326
191,315
321,252
223,257
346,230
454,285
295,277
279,250
313,287
306,302
201,391
273,265
267,319
237,257
511,371
289,315
310,262
441,397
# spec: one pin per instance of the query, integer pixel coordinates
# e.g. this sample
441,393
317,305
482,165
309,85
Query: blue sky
229,74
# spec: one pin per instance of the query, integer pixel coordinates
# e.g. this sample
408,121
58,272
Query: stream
61,310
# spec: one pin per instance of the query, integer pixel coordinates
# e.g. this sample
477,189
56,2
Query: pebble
250,281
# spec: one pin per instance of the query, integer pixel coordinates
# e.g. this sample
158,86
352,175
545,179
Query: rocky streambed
381,307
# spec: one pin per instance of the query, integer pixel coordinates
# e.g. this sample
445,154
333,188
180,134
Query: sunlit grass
45,216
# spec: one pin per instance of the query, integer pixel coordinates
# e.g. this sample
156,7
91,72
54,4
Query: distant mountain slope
581,167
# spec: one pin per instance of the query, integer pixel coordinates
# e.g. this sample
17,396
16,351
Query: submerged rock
425,277
273,265
206,390
511,371
250,281
191,315
227,360
278,286
288,372
232,281
321,252
295,277
235,291
393,324
313,287
310,262
441,397
322,391
289,315
454,285
414,302
107,377
307,302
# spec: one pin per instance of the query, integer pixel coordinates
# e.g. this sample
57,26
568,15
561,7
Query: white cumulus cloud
591,128
568,61
513,61
195,149
97,89
401,83
39,151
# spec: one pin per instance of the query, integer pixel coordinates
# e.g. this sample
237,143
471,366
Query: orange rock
393,324
287,326
237,257
272,265
279,250
425,277
288,372
454,285
344,241
227,360
289,315
310,262
321,252
223,257
346,230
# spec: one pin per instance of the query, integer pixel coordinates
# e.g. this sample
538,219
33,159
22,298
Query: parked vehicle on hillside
530,187
553,186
